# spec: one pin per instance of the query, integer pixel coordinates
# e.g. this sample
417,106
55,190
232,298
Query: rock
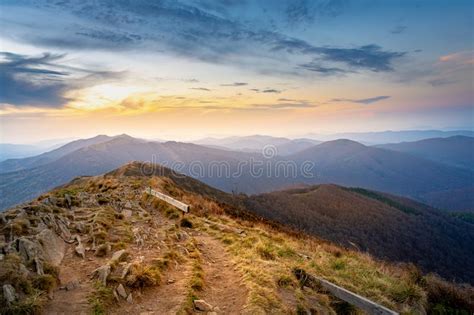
127,213
53,246
121,291
129,298
68,200
170,281
125,270
217,309
211,313
39,266
102,273
9,293
72,285
118,256
80,250
28,249
202,305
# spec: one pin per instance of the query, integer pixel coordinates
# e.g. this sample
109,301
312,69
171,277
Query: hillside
455,151
350,163
387,227
102,245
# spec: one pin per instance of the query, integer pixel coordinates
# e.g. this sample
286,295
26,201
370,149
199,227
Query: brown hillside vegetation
388,227
113,249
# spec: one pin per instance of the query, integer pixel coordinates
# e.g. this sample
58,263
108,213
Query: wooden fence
343,294
178,204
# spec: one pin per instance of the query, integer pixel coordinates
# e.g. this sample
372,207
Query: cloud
271,91
201,89
365,101
235,84
181,28
398,29
325,71
306,11
288,104
461,58
42,81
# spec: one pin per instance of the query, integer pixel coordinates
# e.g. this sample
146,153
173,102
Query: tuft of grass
143,276
31,304
407,293
100,299
338,264
44,282
265,251
102,250
285,281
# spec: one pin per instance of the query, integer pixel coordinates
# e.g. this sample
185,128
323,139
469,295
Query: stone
127,213
121,291
80,251
28,249
211,313
53,246
118,256
39,266
170,281
102,273
202,305
130,298
125,270
68,200
72,285
9,293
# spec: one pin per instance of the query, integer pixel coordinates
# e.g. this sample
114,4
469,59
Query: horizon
309,135
193,69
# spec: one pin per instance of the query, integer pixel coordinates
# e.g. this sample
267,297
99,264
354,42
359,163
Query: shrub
448,298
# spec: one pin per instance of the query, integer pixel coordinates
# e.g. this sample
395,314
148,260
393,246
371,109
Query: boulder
9,293
202,305
53,246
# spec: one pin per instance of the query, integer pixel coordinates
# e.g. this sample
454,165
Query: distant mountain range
257,143
342,162
456,151
373,138
386,226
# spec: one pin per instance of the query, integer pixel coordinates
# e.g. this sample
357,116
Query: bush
100,298
448,298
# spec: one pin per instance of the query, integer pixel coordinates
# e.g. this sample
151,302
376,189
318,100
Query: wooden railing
352,298
178,204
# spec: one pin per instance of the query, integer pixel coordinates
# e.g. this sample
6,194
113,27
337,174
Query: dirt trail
74,301
224,286
165,299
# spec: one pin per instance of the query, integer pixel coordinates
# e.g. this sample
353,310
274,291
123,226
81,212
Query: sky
190,69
